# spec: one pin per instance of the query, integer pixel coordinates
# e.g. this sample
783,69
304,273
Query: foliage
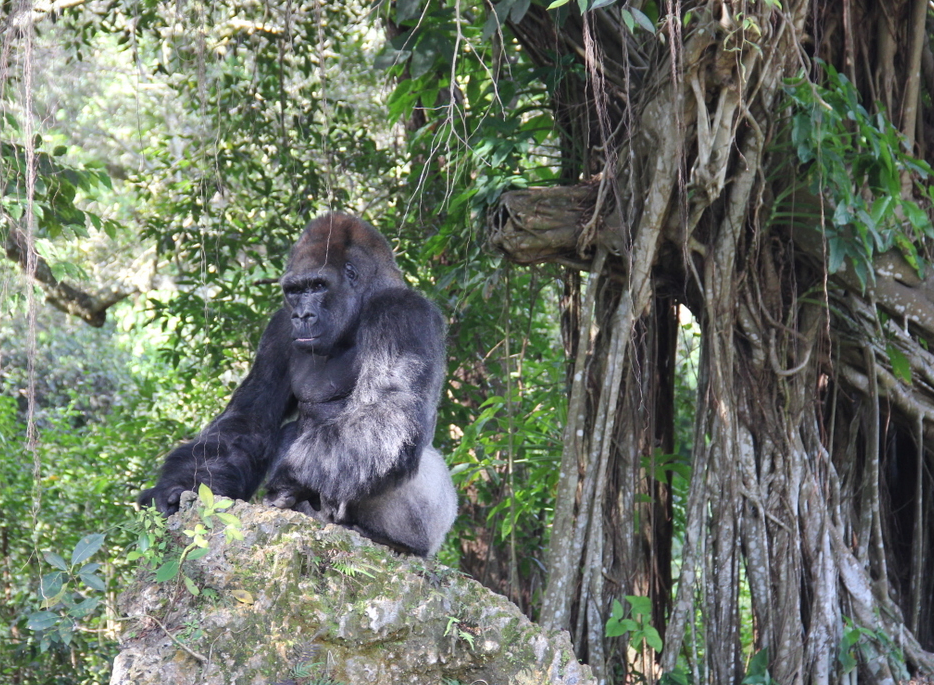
858,160
861,644
104,416
64,594
757,673
460,630
641,632
152,544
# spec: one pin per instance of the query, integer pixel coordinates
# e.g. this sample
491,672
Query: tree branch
90,308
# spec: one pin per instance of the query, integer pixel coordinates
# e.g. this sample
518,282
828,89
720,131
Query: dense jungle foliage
682,249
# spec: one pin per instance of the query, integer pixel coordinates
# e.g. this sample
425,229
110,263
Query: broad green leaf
206,496
198,552
653,639
424,56
167,571
55,560
41,620
229,519
491,26
407,9
617,628
901,367
51,584
518,10
86,547
641,606
190,584
629,20
82,609
642,20
93,581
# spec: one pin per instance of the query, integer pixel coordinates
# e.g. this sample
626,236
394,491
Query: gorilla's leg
413,516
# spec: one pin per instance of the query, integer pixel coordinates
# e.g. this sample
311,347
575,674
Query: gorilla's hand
164,497
285,492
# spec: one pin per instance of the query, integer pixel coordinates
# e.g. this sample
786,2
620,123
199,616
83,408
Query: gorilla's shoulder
401,301
405,314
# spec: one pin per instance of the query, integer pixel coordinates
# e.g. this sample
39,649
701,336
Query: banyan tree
762,165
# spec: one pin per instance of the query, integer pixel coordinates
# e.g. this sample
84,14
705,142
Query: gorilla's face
325,307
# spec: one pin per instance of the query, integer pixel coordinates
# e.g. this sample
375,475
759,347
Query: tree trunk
810,488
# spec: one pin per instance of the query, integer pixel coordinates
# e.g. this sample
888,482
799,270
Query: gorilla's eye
351,271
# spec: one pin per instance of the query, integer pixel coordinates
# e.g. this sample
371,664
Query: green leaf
491,26
229,519
617,628
836,254
407,9
51,584
641,606
901,367
41,620
198,552
55,560
206,496
93,581
192,588
642,20
423,58
167,571
518,10
880,208
918,217
82,609
558,3
86,547
653,639
629,20
758,670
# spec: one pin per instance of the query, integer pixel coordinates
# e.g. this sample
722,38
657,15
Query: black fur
361,357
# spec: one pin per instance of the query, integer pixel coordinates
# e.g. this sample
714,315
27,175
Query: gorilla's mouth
306,342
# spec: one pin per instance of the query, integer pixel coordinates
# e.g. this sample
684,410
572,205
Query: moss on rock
326,605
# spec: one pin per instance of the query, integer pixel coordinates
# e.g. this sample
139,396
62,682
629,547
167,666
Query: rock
300,603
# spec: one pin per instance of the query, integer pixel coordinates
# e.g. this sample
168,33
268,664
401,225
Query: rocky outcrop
296,602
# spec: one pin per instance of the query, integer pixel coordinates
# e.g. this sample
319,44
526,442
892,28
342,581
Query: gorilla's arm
389,417
231,455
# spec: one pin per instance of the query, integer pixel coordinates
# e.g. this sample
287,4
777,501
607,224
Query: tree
745,167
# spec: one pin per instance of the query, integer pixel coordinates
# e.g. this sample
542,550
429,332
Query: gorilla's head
338,263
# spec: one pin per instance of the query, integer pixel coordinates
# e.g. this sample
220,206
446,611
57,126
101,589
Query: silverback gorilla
360,358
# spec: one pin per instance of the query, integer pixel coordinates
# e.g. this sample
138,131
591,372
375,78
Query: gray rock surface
299,603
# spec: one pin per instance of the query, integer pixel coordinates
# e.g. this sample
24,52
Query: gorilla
340,404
